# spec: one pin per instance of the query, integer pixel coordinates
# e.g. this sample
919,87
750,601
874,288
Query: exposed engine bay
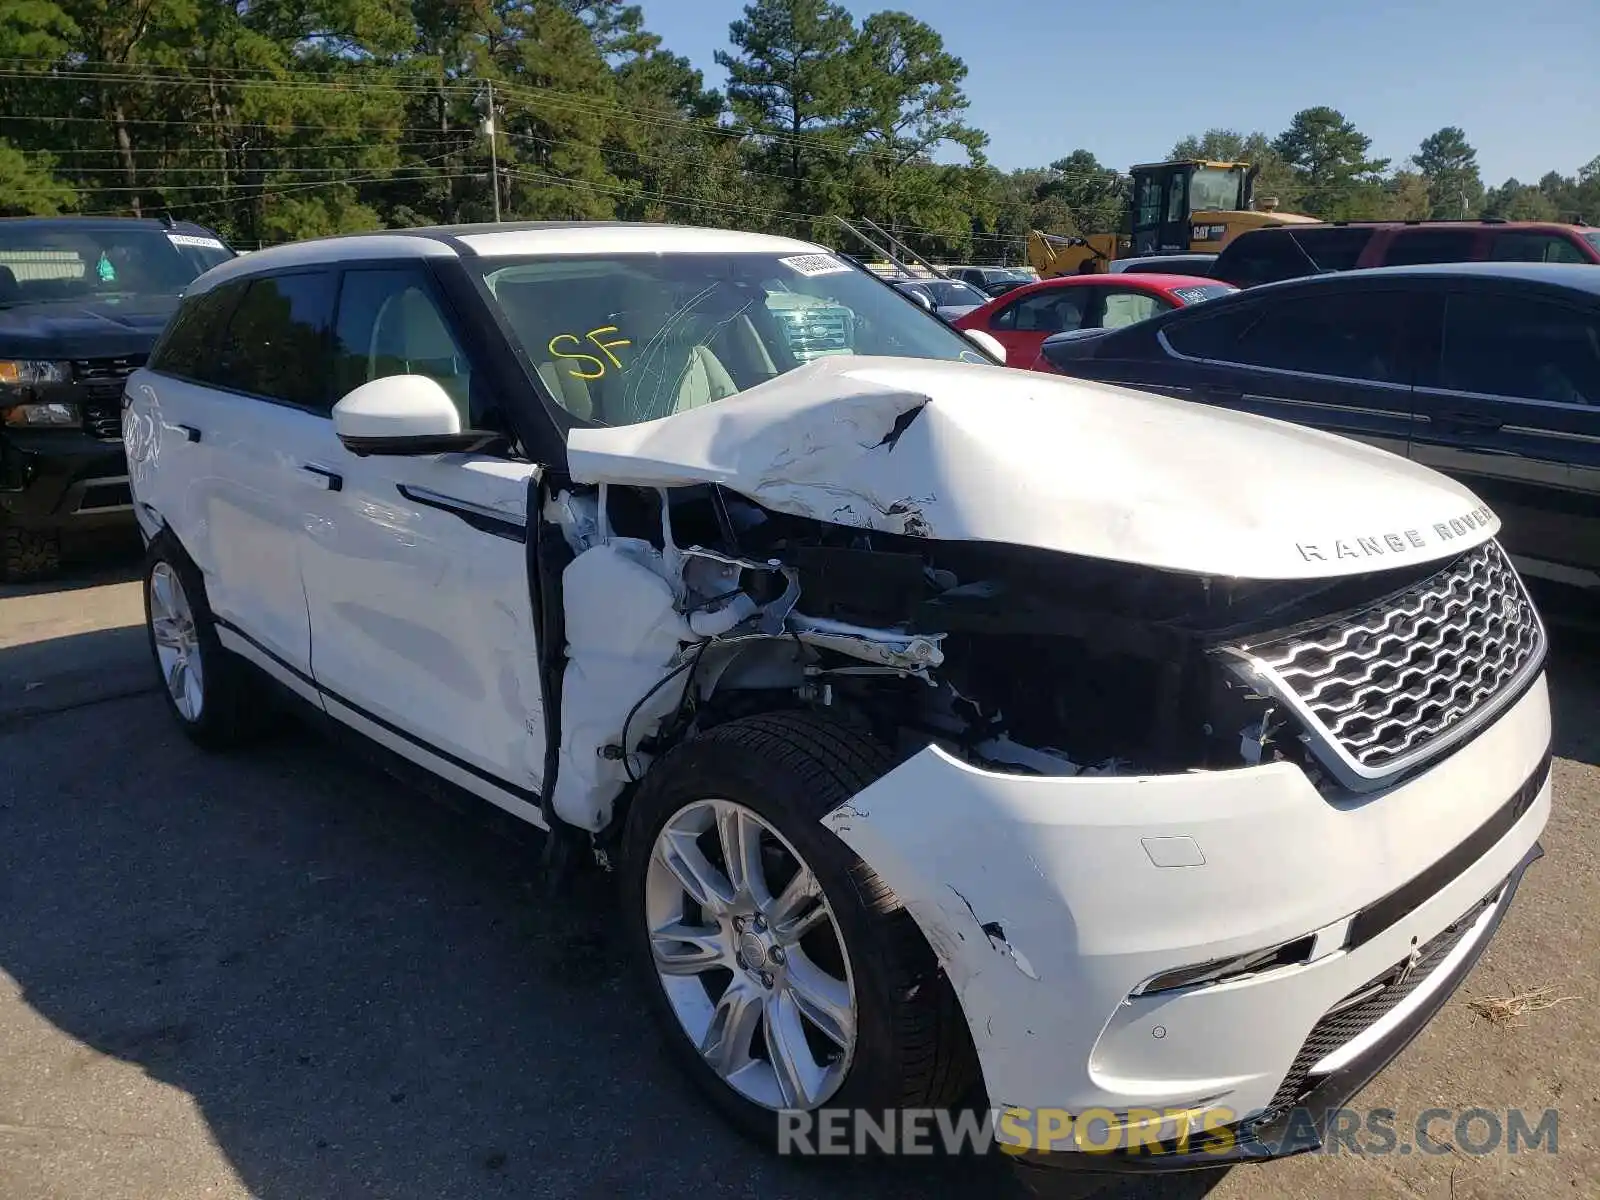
685,607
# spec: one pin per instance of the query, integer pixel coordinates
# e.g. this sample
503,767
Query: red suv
1291,251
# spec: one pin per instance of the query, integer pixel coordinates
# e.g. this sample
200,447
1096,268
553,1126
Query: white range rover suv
951,730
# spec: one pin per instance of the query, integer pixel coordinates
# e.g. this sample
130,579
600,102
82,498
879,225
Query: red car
1023,318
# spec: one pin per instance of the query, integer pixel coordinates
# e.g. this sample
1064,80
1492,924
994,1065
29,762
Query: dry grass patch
1507,1011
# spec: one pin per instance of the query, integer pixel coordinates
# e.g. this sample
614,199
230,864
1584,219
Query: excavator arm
1053,254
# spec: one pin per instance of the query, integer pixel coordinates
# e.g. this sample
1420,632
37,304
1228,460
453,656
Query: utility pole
494,150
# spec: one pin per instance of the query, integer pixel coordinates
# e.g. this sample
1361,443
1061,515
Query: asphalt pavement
281,974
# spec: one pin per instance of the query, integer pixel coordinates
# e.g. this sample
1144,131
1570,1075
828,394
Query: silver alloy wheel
750,956
177,643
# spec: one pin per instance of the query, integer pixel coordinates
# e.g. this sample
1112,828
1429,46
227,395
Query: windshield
1195,293
46,262
952,291
1215,189
628,338
1593,239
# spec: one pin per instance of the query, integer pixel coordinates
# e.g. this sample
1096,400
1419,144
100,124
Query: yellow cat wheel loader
1189,206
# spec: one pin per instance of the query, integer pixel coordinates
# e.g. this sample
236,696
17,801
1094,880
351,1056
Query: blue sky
1126,80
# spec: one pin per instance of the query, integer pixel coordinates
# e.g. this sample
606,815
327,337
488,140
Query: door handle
190,433
1456,422
330,481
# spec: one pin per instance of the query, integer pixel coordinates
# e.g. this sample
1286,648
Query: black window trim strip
485,520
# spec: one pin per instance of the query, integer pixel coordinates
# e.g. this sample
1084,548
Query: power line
247,196
121,73
314,148
344,85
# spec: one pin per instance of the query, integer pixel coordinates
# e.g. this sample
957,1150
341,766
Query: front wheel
784,973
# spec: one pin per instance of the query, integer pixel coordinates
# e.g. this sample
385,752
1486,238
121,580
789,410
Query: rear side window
1503,345
1264,257
188,348
276,346
1333,249
391,323
1348,336
1129,308
1054,310
1211,335
1535,247
1415,247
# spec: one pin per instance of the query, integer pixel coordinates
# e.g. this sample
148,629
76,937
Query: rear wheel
211,692
784,973
29,554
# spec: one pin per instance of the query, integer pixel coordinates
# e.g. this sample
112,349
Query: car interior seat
10,289
675,369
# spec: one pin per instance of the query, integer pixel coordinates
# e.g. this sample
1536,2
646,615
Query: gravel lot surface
281,974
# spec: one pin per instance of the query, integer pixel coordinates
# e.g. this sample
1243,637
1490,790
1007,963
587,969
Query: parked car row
1021,319
1489,372
1293,251
950,729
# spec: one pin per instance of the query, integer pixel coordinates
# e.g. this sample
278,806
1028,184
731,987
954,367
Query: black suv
1489,372
1291,251
82,301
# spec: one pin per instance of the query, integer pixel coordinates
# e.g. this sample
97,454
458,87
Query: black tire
912,1047
237,706
27,555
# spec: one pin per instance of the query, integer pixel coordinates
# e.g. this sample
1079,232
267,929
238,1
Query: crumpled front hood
962,452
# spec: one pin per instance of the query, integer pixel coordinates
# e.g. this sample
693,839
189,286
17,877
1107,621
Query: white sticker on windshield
189,239
814,264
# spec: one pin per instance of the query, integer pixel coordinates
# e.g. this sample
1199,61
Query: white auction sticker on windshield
189,239
814,264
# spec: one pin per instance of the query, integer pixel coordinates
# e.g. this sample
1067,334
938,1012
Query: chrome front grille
1381,688
99,382
815,332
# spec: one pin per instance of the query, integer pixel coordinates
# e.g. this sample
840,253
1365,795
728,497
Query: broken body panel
963,452
1034,591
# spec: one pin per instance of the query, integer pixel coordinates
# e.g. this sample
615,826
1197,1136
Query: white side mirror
402,414
988,341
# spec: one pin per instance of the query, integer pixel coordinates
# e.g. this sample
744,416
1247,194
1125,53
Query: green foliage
1407,197
27,186
1449,165
790,84
1328,157
271,120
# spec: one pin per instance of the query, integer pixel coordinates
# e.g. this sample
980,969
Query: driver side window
390,322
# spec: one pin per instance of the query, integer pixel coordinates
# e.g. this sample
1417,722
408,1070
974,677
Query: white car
943,724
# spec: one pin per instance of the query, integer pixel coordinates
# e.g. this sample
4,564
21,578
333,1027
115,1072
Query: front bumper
1050,900
62,479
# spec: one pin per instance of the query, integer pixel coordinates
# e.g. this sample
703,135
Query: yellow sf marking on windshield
596,367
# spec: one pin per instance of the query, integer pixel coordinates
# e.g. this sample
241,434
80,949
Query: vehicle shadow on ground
364,993
1575,693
